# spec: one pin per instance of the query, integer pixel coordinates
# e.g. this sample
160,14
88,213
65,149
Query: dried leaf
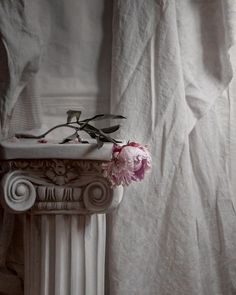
70,138
88,127
94,133
111,129
73,114
103,117
99,142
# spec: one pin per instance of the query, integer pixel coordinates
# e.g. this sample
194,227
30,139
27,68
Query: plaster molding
57,186
18,192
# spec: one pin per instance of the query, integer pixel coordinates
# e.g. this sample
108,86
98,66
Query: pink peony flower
129,163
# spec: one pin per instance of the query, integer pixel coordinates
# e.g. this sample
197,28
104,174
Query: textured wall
75,69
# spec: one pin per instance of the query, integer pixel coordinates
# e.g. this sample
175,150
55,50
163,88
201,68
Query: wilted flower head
129,163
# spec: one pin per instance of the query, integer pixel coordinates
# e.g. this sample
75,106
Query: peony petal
129,163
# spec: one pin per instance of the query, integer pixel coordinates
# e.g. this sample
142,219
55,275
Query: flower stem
47,132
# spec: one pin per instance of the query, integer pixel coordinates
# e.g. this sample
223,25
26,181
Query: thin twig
47,132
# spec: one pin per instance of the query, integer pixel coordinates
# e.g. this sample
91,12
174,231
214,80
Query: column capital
57,186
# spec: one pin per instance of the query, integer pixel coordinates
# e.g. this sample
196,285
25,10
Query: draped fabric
232,123
20,56
174,233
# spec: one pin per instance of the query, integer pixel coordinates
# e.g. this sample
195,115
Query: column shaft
64,254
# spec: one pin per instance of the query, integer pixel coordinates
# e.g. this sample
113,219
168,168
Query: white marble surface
32,149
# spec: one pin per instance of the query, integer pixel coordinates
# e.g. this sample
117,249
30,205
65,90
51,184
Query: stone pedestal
64,202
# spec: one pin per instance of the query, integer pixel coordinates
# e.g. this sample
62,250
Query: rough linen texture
174,233
21,48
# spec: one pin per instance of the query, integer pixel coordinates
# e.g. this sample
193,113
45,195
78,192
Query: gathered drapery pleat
21,48
174,233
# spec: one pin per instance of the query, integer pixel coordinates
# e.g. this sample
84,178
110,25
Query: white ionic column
64,204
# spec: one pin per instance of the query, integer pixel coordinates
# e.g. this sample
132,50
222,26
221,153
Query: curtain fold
173,234
21,48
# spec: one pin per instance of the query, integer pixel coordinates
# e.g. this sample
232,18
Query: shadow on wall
4,74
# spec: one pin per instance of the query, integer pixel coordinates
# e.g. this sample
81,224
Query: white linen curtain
232,122
175,233
20,50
